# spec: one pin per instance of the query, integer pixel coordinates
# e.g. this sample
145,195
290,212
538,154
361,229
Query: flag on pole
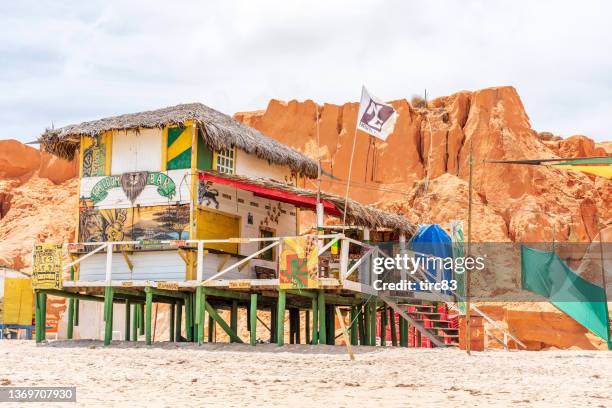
375,117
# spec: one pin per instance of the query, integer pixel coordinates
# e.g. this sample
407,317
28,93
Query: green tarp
546,274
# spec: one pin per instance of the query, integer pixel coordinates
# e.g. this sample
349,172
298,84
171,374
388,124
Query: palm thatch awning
357,214
219,131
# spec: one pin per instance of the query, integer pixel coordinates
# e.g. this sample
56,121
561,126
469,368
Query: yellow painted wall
217,225
18,301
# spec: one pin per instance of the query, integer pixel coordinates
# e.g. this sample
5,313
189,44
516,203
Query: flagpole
348,180
319,206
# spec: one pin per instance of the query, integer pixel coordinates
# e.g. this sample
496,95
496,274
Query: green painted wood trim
307,332
215,316
135,309
171,323
322,311
361,319
199,314
76,312
392,327
70,328
148,316
228,294
315,321
383,325
234,317
37,316
141,306
373,324
179,321
280,316
188,319
108,315
253,319
353,325
128,307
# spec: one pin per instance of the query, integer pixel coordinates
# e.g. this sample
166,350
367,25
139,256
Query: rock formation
421,171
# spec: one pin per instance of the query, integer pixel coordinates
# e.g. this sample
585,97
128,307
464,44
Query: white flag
375,117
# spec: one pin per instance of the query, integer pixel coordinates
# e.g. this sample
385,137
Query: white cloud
64,62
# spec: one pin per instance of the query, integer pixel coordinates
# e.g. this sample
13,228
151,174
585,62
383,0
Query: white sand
237,375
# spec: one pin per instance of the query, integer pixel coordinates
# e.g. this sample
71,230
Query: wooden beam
322,311
280,324
215,316
128,261
253,319
147,316
108,315
347,340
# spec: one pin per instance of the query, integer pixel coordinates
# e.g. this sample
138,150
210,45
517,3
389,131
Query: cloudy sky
63,62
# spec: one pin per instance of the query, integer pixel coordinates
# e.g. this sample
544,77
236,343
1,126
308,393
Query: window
224,162
266,233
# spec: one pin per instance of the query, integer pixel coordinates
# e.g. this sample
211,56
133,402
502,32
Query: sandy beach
234,375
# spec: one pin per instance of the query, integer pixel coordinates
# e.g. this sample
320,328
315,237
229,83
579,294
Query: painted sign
94,157
47,266
299,263
132,185
145,224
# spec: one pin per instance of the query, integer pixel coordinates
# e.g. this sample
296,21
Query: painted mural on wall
207,195
133,184
169,222
299,263
94,157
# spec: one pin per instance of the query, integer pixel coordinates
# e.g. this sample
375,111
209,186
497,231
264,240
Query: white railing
345,268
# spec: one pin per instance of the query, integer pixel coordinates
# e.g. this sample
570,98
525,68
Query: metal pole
469,245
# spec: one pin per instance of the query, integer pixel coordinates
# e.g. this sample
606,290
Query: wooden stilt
280,322
43,305
307,333
403,332
368,317
273,323
315,321
392,327
322,311
171,323
291,326
178,321
373,324
142,318
296,329
135,309
108,316
353,325
214,315
211,329
188,319
128,307
234,316
199,314
76,312
345,334
70,328
361,319
37,316
253,319
148,314
331,325
383,325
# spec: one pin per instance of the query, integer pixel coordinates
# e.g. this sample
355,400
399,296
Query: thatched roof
357,214
218,130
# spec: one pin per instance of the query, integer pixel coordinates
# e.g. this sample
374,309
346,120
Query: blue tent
431,239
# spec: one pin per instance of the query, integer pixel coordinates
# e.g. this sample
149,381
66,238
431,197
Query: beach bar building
188,207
